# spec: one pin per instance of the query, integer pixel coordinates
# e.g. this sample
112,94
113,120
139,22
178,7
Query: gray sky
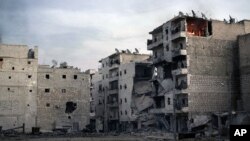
82,32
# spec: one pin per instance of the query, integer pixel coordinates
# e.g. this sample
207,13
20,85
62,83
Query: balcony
178,35
113,117
113,66
152,44
158,60
160,111
92,114
180,52
113,78
180,71
113,91
113,104
181,109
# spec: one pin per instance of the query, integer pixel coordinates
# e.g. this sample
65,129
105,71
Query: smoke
13,21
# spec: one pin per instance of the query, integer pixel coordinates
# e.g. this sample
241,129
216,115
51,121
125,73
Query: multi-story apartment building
18,86
118,73
196,70
63,98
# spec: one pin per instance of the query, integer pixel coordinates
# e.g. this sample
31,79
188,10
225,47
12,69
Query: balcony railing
113,91
153,44
179,52
180,71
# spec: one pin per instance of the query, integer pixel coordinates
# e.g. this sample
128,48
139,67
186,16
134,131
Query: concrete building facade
196,70
63,98
18,86
118,73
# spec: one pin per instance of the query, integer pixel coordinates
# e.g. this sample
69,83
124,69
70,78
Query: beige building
18,86
196,70
63,98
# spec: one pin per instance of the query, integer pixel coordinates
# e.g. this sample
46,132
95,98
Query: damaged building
62,98
18,87
123,90
196,71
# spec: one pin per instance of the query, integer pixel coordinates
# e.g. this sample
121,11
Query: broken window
167,48
9,77
198,27
8,89
75,76
168,101
47,76
31,54
64,76
29,76
63,90
13,68
47,105
29,62
70,107
155,54
125,86
30,91
1,62
113,85
167,68
47,90
159,101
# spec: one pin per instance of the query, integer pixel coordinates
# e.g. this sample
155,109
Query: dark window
13,68
47,90
64,76
29,62
107,75
29,76
47,105
9,77
103,77
126,112
167,48
121,101
168,101
125,100
121,112
30,90
120,86
63,90
125,71
155,54
8,89
75,76
1,59
120,73
125,86
47,76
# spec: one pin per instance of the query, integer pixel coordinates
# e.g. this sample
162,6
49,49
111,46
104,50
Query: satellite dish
181,14
194,15
128,51
136,50
203,16
117,51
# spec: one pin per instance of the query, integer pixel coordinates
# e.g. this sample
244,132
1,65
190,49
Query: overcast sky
81,32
